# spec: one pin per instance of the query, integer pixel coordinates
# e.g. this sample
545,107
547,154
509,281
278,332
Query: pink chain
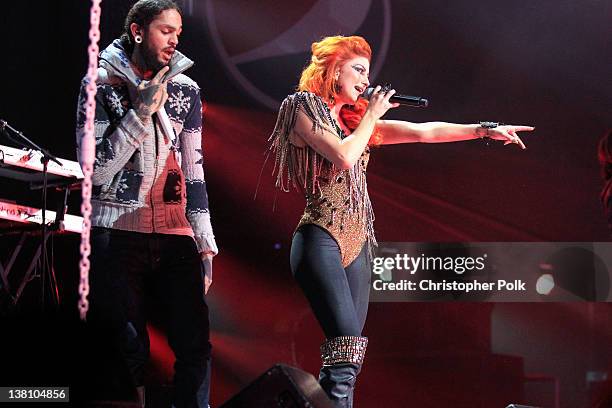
88,153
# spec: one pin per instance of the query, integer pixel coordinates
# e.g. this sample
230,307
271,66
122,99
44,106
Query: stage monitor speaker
520,406
281,386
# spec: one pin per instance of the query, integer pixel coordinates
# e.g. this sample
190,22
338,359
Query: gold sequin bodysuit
336,200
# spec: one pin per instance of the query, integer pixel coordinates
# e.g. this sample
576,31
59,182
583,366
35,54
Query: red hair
318,77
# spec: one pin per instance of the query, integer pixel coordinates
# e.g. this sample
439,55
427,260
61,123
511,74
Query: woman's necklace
335,123
338,128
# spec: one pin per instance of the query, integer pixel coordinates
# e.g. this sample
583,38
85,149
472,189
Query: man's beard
150,60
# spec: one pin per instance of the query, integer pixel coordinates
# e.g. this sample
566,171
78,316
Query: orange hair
318,77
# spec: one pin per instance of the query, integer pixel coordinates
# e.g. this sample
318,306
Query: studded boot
342,359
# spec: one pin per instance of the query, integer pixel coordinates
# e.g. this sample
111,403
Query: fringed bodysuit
336,200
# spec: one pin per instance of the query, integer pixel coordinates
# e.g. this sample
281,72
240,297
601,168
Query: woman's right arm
344,153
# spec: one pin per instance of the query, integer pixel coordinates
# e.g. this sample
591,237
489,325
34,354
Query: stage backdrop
544,63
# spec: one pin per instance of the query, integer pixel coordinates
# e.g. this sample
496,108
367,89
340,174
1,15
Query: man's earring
138,39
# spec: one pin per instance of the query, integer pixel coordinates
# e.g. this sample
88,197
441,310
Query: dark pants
124,266
338,296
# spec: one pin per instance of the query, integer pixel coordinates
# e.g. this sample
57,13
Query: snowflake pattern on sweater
179,102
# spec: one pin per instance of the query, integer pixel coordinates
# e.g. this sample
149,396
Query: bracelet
483,130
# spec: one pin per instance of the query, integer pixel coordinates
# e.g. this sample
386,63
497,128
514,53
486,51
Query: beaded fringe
344,349
303,167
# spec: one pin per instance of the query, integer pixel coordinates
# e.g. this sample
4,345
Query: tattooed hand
151,95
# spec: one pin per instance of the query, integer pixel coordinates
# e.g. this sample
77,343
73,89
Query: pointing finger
522,128
160,74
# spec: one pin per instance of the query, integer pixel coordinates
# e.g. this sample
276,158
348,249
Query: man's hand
151,95
207,263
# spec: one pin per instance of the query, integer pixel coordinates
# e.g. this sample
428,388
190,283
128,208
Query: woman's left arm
397,131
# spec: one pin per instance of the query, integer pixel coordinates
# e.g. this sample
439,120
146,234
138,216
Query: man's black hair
142,13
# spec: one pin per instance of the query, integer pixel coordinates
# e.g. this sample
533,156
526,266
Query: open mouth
359,89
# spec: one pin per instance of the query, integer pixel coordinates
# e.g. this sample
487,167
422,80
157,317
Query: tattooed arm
118,132
151,96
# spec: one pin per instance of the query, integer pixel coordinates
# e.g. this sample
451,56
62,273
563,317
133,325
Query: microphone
406,100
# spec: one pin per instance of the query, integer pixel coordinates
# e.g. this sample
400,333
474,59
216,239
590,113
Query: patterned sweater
147,177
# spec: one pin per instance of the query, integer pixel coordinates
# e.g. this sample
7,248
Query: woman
321,143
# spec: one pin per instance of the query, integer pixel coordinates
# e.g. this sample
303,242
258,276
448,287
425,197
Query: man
150,218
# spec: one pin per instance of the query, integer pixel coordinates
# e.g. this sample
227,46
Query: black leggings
338,296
